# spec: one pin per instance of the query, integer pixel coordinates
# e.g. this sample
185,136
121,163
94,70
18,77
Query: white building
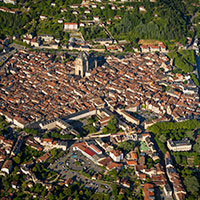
70,26
181,145
128,117
60,21
27,40
116,155
82,24
43,17
142,9
154,48
19,122
144,48
82,147
96,18
14,2
87,12
53,4
53,123
95,149
49,143
46,38
94,6
35,43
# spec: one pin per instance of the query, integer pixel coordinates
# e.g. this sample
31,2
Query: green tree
53,152
112,125
183,64
127,145
17,159
51,196
163,138
178,159
196,146
114,190
105,130
24,185
192,184
195,79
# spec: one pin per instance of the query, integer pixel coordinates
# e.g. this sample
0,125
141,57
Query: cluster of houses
10,148
45,144
12,11
38,87
160,47
178,189
74,43
103,152
95,151
58,123
42,41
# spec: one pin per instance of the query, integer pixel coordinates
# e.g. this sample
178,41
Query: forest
162,20
166,20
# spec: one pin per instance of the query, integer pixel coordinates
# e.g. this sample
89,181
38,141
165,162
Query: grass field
147,42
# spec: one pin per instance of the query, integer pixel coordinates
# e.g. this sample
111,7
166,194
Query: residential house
70,26
46,38
19,122
154,48
60,21
144,48
116,155
44,157
142,9
148,191
96,18
7,166
43,17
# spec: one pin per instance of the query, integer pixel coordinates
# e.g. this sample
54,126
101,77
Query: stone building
83,63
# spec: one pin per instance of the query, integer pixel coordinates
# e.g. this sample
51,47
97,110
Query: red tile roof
89,152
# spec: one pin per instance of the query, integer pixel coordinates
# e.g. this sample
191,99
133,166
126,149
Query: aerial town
39,88
88,111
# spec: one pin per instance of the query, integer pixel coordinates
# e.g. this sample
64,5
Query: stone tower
80,65
83,63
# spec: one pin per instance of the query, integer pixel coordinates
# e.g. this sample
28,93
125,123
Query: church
83,63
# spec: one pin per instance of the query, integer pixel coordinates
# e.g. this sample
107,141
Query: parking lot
77,161
71,165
